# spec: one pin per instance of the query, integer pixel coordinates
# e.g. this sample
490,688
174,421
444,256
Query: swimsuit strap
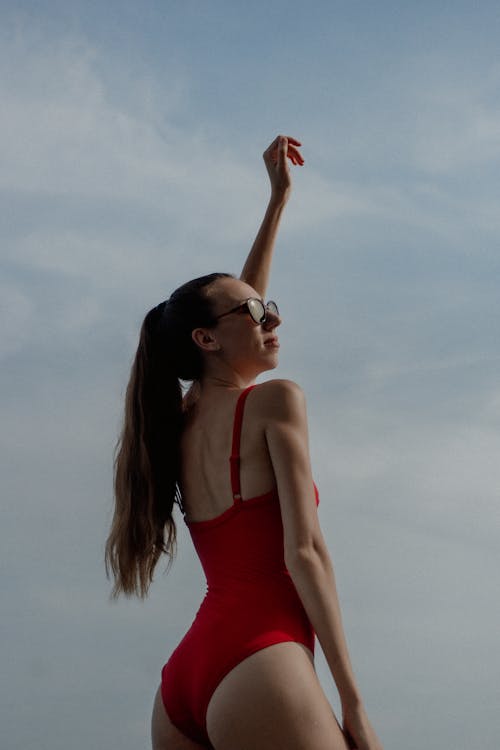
234,459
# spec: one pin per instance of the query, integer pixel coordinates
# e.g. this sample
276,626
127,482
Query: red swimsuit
251,601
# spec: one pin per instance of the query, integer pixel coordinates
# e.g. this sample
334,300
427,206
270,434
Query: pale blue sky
131,161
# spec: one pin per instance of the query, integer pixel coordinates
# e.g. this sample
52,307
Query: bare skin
272,699
164,734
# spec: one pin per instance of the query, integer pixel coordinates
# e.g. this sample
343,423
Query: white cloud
457,123
16,317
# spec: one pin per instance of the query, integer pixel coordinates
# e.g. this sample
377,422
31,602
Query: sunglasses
256,308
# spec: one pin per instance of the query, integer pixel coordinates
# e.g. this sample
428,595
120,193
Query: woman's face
245,345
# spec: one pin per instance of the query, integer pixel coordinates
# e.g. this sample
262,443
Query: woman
243,677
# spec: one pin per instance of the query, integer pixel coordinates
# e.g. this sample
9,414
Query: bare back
205,451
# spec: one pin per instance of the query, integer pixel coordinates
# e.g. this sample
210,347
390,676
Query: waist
251,590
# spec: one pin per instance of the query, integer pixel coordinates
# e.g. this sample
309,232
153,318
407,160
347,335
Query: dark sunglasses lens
256,310
272,307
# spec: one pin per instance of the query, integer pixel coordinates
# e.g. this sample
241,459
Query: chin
272,365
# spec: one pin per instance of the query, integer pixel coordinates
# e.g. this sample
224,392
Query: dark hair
146,466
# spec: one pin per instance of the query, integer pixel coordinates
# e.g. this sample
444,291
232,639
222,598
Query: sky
132,137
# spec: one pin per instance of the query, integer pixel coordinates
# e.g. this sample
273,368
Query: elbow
306,557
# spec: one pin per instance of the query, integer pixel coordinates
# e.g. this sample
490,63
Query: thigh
273,701
164,734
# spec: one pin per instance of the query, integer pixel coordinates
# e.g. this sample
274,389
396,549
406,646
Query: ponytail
147,457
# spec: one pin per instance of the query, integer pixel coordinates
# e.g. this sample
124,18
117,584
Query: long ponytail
147,458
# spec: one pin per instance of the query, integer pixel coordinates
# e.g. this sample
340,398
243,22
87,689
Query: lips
272,342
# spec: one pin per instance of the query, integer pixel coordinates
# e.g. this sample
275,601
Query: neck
212,382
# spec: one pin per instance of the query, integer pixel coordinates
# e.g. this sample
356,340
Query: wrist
278,200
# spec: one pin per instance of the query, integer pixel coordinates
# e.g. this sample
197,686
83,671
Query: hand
275,158
358,731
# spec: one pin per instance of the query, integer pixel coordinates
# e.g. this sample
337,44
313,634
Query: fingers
289,138
292,152
275,143
289,146
294,155
283,152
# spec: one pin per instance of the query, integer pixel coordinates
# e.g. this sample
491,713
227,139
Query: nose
273,320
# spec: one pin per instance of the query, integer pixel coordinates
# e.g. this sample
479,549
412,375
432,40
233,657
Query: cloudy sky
131,137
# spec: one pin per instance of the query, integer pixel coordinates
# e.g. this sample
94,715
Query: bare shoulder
280,400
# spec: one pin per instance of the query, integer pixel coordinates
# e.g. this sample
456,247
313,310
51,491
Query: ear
205,339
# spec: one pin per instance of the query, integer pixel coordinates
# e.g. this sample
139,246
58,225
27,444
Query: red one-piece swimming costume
251,601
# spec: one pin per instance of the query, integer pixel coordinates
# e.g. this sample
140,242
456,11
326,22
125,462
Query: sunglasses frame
249,311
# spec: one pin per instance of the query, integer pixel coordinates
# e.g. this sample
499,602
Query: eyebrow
240,304
252,296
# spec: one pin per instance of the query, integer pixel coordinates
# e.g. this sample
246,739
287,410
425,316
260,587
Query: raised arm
306,553
258,264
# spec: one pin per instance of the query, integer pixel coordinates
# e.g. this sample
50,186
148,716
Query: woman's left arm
258,264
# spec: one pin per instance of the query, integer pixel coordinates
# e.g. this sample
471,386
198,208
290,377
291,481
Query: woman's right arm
306,554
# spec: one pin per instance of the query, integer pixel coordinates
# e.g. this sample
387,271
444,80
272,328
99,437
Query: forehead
227,291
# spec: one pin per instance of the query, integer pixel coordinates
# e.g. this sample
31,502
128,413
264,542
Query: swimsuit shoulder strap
234,458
